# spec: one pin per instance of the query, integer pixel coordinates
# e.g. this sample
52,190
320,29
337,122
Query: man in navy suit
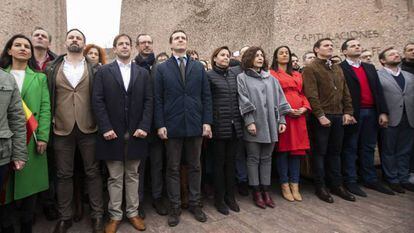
183,115
123,104
370,112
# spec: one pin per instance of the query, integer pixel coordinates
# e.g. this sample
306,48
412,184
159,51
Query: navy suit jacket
181,107
122,111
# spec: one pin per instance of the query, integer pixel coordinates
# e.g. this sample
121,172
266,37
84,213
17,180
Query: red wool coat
295,139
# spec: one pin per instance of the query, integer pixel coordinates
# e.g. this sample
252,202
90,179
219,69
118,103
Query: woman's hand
252,129
282,128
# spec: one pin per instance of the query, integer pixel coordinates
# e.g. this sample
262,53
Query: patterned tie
182,68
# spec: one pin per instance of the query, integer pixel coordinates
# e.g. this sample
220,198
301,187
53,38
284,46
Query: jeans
241,167
359,142
288,168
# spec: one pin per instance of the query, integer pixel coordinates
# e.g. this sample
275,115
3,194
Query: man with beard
408,65
122,102
397,139
41,40
295,62
145,57
70,79
146,60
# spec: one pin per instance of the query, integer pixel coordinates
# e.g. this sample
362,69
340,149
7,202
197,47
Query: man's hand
41,147
252,129
139,133
324,121
282,128
110,135
18,165
207,131
162,133
348,119
383,120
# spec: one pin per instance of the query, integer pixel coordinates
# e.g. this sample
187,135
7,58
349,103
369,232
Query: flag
31,122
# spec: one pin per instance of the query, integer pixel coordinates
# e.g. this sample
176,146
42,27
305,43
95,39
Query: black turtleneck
220,70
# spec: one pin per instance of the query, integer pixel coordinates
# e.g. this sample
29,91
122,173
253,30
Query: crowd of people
74,127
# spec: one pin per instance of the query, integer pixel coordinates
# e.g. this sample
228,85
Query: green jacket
33,178
12,121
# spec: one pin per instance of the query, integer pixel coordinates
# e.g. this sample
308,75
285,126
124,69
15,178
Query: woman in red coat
294,142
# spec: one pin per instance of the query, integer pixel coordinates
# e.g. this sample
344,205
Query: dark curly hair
249,56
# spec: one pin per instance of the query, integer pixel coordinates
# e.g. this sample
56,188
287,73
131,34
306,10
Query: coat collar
262,75
28,80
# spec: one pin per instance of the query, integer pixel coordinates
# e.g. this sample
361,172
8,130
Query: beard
74,48
393,63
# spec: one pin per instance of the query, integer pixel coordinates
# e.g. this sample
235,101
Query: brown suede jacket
325,87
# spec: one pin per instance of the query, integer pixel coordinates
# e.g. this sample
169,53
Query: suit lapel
349,69
391,79
189,67
134,73
406,81
117,74
173,66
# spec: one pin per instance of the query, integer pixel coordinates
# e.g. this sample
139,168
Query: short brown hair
176,31
409,43
119,36
40,28
318,44
216,52
381,55
248,58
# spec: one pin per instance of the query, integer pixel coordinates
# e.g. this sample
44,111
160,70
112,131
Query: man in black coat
370,112
146,60
408,65
183,114
123,104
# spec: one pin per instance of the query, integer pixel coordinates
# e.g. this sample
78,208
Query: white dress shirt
392,72
73,72
125,72
19,77
356,64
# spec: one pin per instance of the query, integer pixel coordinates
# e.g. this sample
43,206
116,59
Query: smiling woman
99,20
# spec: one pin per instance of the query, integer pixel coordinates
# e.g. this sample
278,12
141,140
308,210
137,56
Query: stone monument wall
19,16
270,23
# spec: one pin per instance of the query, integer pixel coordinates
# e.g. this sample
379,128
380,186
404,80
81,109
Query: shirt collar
356,64
176,57
120,64
81,62
392,72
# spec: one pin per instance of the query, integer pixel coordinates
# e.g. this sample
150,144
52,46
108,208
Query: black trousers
224,159
326,151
